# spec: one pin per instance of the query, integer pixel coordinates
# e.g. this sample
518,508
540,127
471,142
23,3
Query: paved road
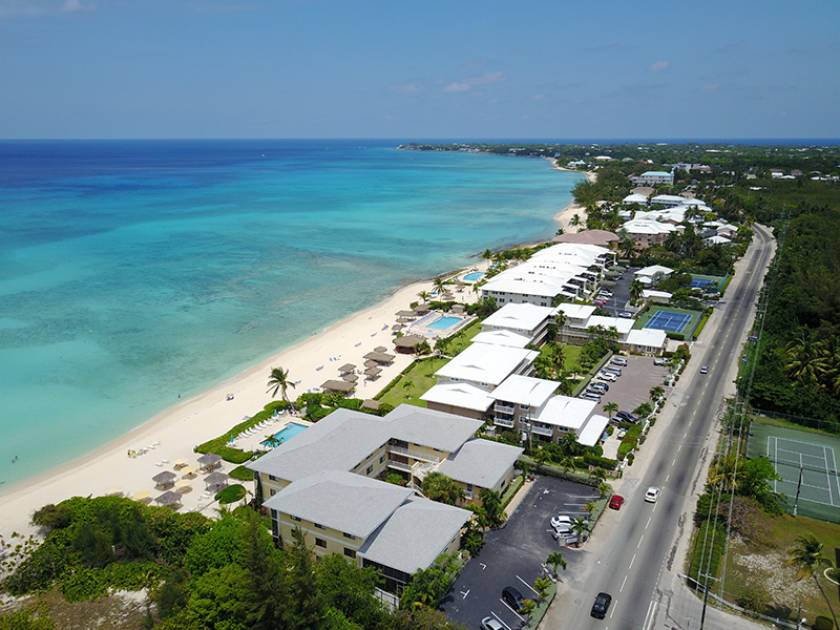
637,545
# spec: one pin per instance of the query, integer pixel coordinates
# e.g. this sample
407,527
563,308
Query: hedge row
219,445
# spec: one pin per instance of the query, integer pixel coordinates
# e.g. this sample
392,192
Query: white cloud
465,85
659,66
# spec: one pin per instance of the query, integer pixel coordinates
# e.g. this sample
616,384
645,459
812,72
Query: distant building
652,178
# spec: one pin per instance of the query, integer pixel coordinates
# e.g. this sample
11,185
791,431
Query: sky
417,70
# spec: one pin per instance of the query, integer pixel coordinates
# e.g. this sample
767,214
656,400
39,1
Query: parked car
512,598
599,302
652,494
704,369
626,314
616,501
626,416
606,376
605,293
660,361
597,385
561,519
622,433
601,605
612,370
600,391
619,361
491,623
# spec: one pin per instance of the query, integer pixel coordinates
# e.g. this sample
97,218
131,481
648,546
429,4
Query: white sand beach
564,217
174,432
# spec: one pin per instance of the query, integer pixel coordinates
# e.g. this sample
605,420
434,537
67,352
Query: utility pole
798,488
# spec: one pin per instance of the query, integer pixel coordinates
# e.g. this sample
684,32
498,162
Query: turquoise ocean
133,271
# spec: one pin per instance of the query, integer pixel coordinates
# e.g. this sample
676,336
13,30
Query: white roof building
660,296
718,240
592,432
459,395
654,272
576,314
527,320
668,200
525,390
486,366
502,337
635,198
646,341
620,324
567,412
648,227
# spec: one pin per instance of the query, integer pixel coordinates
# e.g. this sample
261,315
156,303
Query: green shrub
241,473
230,494
601,462
52,517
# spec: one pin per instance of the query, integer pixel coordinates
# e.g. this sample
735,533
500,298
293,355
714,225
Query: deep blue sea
131,272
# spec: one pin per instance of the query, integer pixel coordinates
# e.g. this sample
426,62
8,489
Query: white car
561,519
606,376
489,623
652,494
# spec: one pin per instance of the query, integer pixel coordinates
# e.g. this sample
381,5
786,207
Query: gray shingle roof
341,500
437,429
481,462
415,535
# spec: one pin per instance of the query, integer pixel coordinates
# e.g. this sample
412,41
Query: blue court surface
668,321
702,283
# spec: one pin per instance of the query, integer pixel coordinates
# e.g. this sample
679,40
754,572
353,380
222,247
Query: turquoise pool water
445,322
474,276
287,433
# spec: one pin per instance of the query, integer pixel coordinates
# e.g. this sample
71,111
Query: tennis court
669,321
806,461
699,281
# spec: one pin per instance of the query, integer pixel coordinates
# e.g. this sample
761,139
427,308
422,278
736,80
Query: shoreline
179,427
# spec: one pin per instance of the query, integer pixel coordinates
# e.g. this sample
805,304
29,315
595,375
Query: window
272,492
295,518
318,525
381,458
369,470
349,552
320,542
346,535
272,477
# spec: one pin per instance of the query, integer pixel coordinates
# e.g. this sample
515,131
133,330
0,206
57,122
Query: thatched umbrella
183,486
347,367
164,478
143,496
380,349
371,363
216,479
350,378
210,460
373,371
169,498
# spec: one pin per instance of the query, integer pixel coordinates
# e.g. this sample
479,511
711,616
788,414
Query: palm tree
611,408
575,220
806,556
656,392
423,295
560,320
487,254
278,380
271,441
636,289
580,527
568,442
556,561
439,286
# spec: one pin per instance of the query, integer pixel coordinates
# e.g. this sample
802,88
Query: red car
616,501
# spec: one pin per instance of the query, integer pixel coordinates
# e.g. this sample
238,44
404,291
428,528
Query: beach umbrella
380,349
216,478
350,378
187,472
165,477
183,486
209,460
347,367
371,363
143,496
180,463
373,371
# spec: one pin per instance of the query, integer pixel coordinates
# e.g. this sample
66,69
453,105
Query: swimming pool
473,276
445,322
286,433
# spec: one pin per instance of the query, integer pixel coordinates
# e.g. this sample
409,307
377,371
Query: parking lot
514,555
633,387
621,292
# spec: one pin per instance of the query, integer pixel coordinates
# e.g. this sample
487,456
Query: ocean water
132,272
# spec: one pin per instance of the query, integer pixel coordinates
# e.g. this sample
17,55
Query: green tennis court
806,461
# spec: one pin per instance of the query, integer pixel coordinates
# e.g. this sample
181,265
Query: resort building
636,198
647,232
525,320
717,240
653,274
574,315
324,481
646,341
656,297
503,337
530,405
601,238
652,178
485,365
667,200
621,325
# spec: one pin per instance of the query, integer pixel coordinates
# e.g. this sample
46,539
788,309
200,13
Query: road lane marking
614,604
647,616
639,544
674,462
528,585
622,584
632,560
648,523
668,478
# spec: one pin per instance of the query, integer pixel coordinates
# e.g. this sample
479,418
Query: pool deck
421,326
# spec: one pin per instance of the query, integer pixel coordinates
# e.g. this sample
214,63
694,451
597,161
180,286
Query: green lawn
413,383
571,357
459,341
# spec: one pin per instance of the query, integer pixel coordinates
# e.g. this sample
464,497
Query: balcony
503,422
406,468
505,408
407,452
542,430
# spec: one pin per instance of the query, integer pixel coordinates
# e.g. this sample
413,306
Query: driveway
633,387
621,292
514,555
